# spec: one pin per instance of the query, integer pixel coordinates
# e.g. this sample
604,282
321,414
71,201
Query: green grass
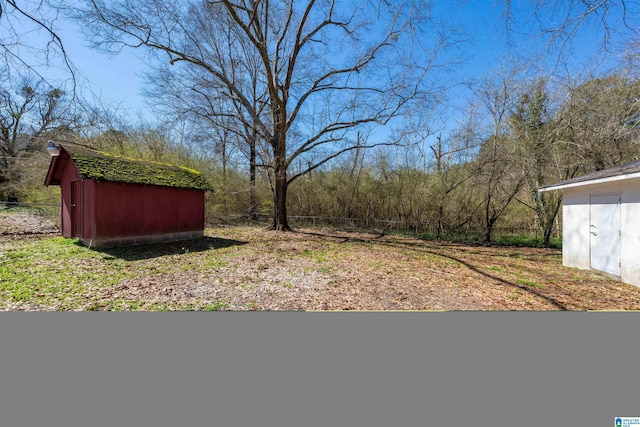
220,305
52,272
525,240
204,263
16,255
530,283
318,256
286,284
499,239
234,268
61,273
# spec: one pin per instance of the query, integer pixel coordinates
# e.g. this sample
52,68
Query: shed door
76,209
605,235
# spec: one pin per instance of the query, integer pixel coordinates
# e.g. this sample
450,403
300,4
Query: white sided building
601,222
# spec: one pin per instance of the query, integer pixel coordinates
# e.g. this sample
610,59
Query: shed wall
576,221
124,211
89,207
630,264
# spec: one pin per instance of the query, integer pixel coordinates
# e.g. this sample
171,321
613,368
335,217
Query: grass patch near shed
50,273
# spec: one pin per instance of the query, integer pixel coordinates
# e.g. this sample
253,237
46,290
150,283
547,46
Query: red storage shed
111,201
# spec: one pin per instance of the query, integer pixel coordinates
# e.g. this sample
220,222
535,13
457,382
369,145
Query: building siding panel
575,229
630,226
576,222
124,210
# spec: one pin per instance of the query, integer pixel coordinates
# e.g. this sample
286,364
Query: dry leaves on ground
329,270
250,268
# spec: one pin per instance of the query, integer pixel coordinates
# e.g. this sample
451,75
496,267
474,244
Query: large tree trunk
490,220
253,205
548,226
280,222
439,226
488,233
225,196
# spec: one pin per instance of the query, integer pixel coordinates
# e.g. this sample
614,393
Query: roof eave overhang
562,186
56,162
52,167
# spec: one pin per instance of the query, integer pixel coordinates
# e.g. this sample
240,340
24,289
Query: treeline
521,134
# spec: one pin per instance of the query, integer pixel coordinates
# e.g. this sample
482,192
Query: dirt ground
18,221
330,270
250,268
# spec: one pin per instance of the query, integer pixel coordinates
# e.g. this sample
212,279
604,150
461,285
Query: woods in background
481,177
261,97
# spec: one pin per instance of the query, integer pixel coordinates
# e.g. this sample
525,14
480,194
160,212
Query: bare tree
20,53
450,175
327,69
25,114
499,174
540,152
220,121
29,114
600,122
560,22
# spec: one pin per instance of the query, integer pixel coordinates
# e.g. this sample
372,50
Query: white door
605,235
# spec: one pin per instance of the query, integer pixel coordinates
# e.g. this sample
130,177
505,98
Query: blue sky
117,79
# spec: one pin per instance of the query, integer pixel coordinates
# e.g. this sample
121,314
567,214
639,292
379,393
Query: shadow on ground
156,250
420,247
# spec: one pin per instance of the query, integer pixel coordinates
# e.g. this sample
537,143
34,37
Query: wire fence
10,204
381,226
339,222
384,225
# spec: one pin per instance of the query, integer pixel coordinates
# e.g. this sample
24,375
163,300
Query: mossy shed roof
99,165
